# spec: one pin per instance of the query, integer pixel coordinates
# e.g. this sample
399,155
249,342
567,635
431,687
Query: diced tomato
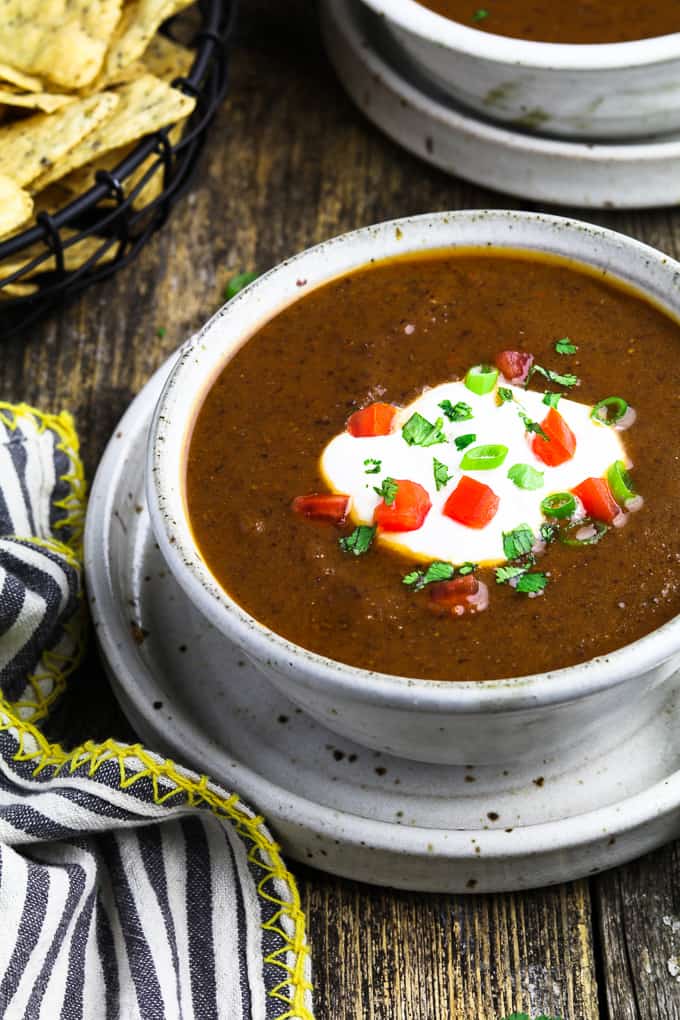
374,420
407,511
461,595
472,503
515,365
326,506
597,499
562,441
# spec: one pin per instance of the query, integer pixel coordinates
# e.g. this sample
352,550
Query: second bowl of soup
426,476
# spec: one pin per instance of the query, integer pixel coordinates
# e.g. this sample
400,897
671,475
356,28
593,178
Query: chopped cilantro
437,571
503,574
504,395
567,379
532,583
388,490
418,431
372,466
565,346
160,332
441,474
526,477
456,412
551,399
518,542
533,426
358,541
237,283
480,14
463,441
467,568
549,532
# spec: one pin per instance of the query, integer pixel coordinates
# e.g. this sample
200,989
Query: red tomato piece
515,365
322,506
597,499
374,420
407,511
472,503
461,595
561,443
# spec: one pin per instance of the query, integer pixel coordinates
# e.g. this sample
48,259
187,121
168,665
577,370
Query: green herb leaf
568,379
437,571
372,466
549,532
160,332
531,583
358,541
463,441
456,412
467,568
503,574
505,395
518,542
551,399
418,431
237,283
565,346
533,426
480,15
441,474
526,477
388,490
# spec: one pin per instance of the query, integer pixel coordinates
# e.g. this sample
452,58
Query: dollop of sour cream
348,465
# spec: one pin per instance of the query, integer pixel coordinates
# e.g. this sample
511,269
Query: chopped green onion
358,541
463,441
609,411
569,535
620,482
559,504
526,477
481,379
418,431
565,346
484,458
456,412
237,283
372,466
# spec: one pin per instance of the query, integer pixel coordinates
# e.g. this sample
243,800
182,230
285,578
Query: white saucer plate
331,803
388,89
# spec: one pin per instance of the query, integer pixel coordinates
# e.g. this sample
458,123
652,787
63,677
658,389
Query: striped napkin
130,887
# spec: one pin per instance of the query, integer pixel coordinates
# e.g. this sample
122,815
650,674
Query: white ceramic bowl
458,723
613,90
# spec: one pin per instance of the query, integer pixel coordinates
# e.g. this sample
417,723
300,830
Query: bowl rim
172,530
420,21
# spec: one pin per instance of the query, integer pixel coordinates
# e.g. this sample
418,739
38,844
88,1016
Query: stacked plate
594,126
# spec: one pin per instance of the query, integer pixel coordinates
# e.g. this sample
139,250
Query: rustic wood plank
638,923
291,162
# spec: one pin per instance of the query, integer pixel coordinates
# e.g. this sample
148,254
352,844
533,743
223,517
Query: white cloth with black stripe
129,887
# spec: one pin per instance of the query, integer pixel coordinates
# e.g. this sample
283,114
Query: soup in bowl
424,475
600,71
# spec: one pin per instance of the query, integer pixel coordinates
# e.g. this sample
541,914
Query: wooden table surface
291,162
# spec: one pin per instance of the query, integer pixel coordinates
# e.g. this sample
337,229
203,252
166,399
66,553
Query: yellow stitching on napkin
264,853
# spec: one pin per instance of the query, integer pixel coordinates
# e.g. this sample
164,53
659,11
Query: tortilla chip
28,147
144,106
16,205
137,26
167,59
24,81
74,256
48,102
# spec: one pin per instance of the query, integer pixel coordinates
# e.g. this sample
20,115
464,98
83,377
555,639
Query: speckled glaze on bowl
455,723
612,90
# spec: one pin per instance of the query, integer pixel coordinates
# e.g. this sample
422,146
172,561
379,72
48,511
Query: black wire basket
110,212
